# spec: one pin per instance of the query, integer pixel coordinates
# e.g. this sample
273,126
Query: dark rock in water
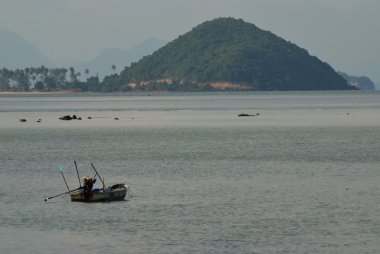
66,117
116,118
39,120
23,120
89,117
257,114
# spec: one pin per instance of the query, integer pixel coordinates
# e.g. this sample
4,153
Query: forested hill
227,53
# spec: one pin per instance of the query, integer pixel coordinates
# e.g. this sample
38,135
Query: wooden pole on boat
64,179
98,174
76,168
46,199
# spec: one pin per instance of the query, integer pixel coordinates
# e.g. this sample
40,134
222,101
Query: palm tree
86,71
78,74
113,67
34,77
72,74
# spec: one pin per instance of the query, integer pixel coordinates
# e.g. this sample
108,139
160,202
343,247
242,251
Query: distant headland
221,54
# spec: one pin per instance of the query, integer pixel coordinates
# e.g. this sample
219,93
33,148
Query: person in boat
88,183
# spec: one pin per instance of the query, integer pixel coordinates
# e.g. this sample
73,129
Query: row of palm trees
47,79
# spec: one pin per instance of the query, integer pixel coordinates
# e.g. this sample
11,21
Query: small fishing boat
113,193
88,193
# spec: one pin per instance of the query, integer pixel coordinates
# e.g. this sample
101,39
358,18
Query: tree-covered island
222,54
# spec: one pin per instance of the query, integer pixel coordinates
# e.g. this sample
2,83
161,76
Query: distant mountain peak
16,52
102,63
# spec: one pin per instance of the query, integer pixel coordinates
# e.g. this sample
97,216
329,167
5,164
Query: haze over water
300,177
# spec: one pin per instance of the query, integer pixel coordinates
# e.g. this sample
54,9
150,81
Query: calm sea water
301,177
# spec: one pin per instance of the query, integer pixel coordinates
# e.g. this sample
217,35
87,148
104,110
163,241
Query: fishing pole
97,174
64,179
67,192
76,168
67,186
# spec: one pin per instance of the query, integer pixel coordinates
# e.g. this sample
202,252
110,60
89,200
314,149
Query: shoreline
36,92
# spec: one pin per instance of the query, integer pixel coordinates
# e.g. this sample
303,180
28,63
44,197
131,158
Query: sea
300,174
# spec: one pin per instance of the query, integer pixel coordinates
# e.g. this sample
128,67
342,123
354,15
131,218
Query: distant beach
37,92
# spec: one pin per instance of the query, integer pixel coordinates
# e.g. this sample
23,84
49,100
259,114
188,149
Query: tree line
56,79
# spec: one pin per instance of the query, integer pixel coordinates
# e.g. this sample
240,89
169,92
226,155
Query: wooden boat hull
116,192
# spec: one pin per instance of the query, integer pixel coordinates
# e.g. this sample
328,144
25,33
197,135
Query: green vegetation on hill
224,53
233,51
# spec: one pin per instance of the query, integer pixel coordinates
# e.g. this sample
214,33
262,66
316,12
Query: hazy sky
344,33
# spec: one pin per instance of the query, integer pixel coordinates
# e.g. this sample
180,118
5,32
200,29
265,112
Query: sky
343,33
